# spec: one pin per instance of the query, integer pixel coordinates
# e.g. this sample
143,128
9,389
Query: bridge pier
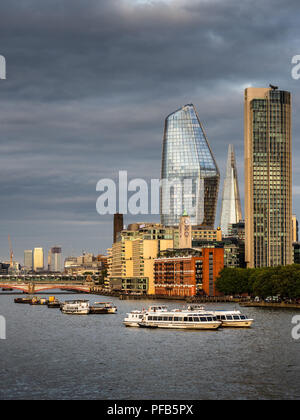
31,289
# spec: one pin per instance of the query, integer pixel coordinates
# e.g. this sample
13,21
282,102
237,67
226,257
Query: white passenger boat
180,320
233,319
135,317
76,307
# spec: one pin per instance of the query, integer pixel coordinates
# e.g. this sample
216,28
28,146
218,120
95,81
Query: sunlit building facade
190,176
231,203
38,259
268,177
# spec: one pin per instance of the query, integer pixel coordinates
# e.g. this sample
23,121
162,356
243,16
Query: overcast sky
89,84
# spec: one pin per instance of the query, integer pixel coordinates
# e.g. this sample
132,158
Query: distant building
55,259
296,248
231,204
4,268
205,233
28,260
186,273
118,225
237,230
38,259
86,263
295,229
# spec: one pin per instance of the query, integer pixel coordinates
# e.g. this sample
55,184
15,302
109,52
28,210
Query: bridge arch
14,287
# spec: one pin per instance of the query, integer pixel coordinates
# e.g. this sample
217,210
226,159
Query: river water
48,355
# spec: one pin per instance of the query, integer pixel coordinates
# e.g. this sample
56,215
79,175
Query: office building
295,229
190,176
118,225
55,259
28,260
38,259
231,204
268,177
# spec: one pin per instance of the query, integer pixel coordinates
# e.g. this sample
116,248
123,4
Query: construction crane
11,253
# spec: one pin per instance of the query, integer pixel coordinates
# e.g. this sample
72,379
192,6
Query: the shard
190,176
231,203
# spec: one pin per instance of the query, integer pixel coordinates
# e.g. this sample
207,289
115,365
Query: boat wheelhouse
133,318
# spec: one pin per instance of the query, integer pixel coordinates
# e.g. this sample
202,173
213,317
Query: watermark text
296,329
296,68
2,328
2,67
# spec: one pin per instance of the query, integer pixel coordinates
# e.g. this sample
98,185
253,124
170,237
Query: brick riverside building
187,275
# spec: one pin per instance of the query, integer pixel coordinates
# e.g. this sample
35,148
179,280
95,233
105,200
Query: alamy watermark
138,196
296,68
2,328
2,67
296,329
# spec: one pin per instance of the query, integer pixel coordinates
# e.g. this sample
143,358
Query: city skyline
59,129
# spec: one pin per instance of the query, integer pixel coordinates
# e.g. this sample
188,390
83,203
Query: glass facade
271,179
190,176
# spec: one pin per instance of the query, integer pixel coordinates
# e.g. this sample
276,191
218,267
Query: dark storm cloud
90,83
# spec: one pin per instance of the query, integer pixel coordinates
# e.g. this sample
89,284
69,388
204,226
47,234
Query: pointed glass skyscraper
231,203
190,176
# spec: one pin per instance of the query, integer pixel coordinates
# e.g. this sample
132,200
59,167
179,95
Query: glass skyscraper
268,177
231,204
190,176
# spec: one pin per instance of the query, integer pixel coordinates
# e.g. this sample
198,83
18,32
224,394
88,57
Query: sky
89,84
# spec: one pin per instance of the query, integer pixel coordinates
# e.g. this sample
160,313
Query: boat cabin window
202,319
243,317
236,317
229,317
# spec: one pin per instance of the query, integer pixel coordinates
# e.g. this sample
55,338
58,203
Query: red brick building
180,274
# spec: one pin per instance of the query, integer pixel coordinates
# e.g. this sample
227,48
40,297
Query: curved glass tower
190,176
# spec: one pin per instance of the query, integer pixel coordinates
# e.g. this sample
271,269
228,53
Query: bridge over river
34,284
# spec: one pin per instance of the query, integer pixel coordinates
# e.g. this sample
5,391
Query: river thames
48,355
